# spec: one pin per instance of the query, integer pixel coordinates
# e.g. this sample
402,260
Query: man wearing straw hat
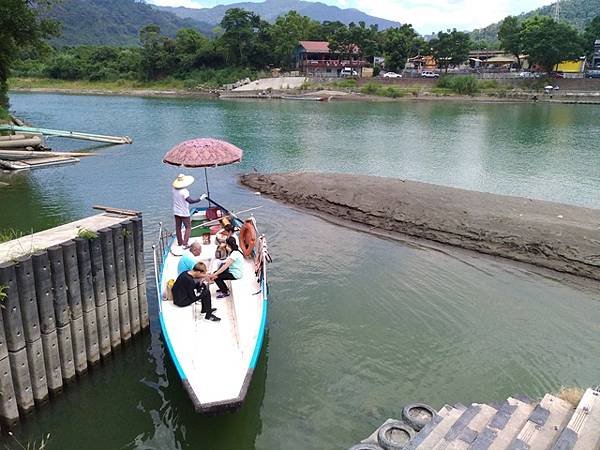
181,207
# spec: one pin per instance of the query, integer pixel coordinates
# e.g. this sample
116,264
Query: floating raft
516,424
68,134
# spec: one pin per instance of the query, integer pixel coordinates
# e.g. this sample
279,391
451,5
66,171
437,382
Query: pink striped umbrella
203,152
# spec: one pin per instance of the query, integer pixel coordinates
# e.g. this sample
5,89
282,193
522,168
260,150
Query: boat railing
159,253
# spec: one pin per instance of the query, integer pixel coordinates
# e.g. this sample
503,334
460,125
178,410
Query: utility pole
557,11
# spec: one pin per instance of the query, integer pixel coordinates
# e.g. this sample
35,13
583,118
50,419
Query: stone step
544,424
430,439
583,430
507,431
429,428
469,433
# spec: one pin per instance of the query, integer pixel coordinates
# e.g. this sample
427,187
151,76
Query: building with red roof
314,58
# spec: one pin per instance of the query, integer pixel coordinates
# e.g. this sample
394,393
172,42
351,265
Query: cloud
429,16
186,3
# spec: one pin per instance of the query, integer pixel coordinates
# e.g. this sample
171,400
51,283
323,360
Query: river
358,326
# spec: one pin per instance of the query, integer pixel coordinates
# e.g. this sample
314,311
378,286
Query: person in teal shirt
189,259
231,269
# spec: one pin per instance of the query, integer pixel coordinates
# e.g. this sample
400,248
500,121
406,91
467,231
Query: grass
570,394
85,233
3,294
4,115
119,85
9,234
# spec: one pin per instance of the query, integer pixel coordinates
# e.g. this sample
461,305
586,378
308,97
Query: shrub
463,85
350,83
370,89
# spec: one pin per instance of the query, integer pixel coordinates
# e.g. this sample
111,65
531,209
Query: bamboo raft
26,148
516,424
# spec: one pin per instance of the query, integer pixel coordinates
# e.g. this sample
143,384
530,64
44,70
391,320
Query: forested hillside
578,13
113,22
271,9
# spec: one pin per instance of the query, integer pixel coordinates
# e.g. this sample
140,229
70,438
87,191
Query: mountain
575,12
269,10
113,22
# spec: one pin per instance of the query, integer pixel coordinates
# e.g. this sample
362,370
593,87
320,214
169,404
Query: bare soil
555,236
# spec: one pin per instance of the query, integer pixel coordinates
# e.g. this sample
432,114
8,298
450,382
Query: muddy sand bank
554,236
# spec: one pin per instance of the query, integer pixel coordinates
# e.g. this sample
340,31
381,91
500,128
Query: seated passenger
231,269
188,259
221,237
190,287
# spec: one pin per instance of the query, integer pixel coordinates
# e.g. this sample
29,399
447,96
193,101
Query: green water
358,326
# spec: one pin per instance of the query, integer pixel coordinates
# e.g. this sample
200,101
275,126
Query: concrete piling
19,366
113,323
37,370
72,280
62,312
103,330
79,347
52,361
66,306
9,412
27,299
121,278
65,349
138,241
11,310
44,291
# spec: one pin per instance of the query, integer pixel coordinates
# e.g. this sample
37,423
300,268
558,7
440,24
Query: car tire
389,442
417,415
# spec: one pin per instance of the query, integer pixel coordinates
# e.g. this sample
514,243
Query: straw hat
183,181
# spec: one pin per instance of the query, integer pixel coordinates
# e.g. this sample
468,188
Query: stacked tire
395,435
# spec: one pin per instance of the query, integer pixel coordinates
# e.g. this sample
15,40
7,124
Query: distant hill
114,22
575,12
269,10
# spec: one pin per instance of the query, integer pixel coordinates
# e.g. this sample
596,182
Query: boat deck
214,358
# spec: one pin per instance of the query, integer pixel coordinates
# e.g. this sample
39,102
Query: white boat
215,360
307,98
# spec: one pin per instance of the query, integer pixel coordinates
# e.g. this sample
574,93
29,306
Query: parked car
348,72
557,75
525,74
592,74
392,75
429,74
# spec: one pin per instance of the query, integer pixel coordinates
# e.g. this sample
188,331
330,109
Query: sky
426,16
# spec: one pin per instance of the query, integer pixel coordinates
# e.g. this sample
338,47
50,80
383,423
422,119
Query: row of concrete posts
66,307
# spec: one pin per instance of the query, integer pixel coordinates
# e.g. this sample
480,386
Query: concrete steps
516,424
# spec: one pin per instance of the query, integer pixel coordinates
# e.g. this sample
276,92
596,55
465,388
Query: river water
358,325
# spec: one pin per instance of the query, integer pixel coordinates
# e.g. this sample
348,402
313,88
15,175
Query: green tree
398,45
190,46
365,39
21,26
548,42
590,35
509,36
158,55
287,31
450,48
238,39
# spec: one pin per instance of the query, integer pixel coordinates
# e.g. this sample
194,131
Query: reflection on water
358,326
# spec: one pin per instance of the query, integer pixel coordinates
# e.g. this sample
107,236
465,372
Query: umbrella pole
207,190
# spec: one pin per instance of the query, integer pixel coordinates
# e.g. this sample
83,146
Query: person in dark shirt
190,287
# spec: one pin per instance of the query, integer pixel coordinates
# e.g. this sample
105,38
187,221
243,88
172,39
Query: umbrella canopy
203,152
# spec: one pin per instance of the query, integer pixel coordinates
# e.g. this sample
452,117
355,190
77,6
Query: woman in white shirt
181,207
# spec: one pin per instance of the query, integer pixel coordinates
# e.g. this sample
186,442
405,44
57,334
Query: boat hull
216,376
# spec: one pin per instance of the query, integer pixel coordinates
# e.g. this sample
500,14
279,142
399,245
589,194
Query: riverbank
337,91
550,235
